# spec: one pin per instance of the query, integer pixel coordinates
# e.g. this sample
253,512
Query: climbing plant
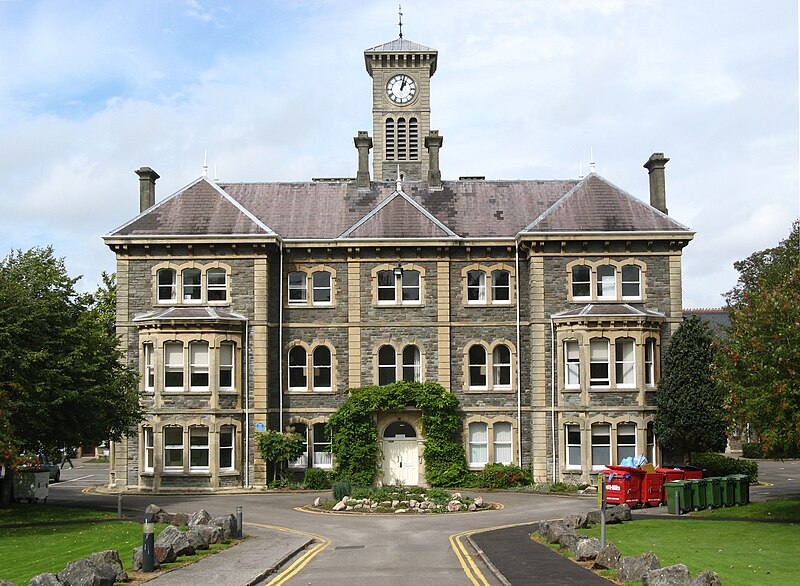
355,436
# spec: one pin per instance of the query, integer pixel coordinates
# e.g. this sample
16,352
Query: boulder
180,519
677,575
197,538
228,525
176,539
618,514
40,580
82,572
159,514
109,564
340,506
317,501
164,554
707,578
211,533
200,517
137,560
479,501
453,506
569,539
551,531
587,549
472,507
576,521
633,567
608,558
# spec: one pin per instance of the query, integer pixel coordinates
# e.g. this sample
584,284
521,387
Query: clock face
401,89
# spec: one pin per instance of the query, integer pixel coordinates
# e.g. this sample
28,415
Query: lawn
27,551
741,552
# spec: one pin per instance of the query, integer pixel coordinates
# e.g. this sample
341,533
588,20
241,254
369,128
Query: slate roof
399,45
334,210
189,313
608,310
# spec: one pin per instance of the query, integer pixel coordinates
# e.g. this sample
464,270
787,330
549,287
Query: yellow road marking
466,560
302,561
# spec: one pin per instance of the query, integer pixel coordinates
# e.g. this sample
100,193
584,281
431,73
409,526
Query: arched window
198,449
302,461
626,441
321,285
216,285
173,366
581,282
298,378
601,445
198,366
413,139
298,289
625,363
149,454
173,448
572,359
390,139
503,442
606,282
412,364
650,362
599,371
387,365
501,287
323,374
631,282
226,354
149,368
167,285
192,286
227,434
573,437
402,138
322,447
477,367
476,287
501,367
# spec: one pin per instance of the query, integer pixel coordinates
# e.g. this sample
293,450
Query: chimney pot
658,191
147,187
363,143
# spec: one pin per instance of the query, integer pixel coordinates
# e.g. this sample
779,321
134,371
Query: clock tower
401,74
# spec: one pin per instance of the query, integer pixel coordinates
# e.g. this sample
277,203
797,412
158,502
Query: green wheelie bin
741,488
698,488
679,496
713,493
726,491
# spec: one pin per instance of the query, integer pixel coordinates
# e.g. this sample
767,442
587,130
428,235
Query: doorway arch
400,454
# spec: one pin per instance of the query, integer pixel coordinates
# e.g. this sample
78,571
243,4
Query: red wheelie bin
623,485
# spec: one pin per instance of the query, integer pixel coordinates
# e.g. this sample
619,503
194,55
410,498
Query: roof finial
400,22
591,161
205,164
399,184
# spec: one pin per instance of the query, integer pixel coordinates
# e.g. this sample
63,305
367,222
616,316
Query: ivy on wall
355,435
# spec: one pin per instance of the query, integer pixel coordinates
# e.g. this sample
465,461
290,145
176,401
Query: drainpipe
280,341
246,404
519,360
553,394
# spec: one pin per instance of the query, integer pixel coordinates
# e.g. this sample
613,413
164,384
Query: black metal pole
148,543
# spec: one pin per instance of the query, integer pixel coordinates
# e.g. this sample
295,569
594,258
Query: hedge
719,465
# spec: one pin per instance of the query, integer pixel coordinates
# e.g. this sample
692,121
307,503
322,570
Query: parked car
44,463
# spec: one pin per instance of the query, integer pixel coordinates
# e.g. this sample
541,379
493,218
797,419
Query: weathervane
400,22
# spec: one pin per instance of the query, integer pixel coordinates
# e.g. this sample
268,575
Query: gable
398,217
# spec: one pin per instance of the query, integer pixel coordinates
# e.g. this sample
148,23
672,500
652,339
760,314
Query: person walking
67,453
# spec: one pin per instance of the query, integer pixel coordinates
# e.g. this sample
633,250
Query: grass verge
741,552
28,551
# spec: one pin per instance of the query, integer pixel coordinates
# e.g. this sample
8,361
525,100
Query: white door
400,461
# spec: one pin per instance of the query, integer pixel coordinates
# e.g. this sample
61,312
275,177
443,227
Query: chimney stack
147,187
363,143
658,192
433,142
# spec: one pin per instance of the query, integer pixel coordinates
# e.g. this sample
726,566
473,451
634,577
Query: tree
690,414
279,448
60,362
760,355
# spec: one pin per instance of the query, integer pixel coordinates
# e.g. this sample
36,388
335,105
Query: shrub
316,479
341,489
439,496
504,476
751,450
756,450
719,465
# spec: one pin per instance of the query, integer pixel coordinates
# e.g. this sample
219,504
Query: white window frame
302,460
627,280
386,293
226,364
411,364
496,288
599,354
500,367
323,458
227,447
580,282
299,288
477,369
148,449
216,287
601,447
301,368
167,290
626,432
149,367
650,440
174,447
199,448
476,291
408,286
650,362
199,367
321,288
477,442
572,364
174,366
625,362
387,371
573,454
317,369
506,445
191,292
606,282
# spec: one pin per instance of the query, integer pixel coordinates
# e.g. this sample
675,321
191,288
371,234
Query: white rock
339,506
317,501
478,501
401,511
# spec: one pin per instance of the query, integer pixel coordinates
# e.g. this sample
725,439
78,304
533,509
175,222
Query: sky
276,91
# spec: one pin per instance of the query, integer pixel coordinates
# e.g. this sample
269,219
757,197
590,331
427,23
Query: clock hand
402,83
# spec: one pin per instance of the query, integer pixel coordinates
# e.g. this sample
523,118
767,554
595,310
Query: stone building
542,304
